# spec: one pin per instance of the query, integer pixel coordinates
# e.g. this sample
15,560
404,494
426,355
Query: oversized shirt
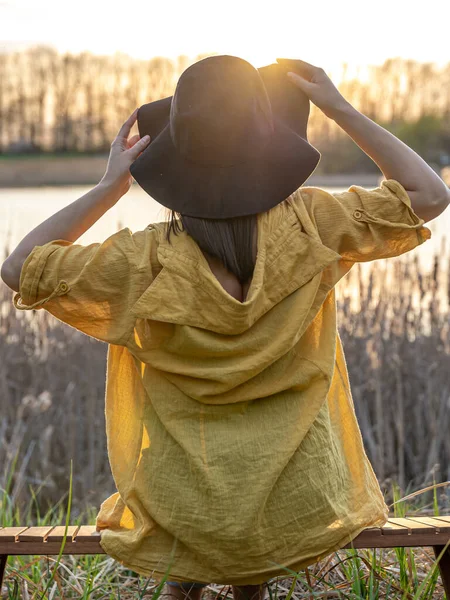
231,429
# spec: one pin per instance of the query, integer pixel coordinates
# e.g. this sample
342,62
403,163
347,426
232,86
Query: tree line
61,103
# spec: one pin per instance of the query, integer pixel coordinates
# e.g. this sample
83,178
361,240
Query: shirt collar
186,291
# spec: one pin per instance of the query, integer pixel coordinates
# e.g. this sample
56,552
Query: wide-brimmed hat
230,142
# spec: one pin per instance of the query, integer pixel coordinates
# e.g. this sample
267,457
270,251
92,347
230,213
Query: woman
232,435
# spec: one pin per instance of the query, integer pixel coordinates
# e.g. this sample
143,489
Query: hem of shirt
256,579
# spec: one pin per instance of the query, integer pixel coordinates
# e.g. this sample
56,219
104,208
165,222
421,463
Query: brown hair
229,240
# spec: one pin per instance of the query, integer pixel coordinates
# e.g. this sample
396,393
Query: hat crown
231,142
220,112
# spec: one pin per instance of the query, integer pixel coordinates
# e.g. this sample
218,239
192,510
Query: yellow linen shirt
232,435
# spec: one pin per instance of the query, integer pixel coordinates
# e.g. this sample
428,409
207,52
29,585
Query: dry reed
397,344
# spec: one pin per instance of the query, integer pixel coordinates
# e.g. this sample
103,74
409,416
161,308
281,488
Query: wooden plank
372,531
51,548
446,519
441,526
366,539
87,533
9,534
411,531
394,528
87,539
34,534
57,534
417,527
393,540
412,526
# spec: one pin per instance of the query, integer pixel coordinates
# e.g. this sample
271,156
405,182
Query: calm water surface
22,209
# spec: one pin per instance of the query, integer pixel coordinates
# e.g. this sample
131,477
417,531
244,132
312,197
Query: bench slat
444,518
57,534
412,526
87,533
369,536
440,526
394,528
50,548
34,534
86,540
9,534
417,527
373,531
400,541
403,521
415,530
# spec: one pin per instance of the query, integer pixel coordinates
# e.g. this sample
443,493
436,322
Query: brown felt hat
230,142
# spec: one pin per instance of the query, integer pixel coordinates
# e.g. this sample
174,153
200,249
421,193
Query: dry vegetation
397,343
394,323
71,103
382,574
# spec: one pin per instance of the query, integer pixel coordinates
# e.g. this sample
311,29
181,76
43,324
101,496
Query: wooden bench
416,531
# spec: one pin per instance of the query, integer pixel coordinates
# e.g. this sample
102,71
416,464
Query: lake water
22,209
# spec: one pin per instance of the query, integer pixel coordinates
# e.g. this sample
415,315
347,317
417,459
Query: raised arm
72,221
428,193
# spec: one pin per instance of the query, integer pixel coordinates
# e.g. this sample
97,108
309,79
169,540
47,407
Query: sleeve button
64,286
357,214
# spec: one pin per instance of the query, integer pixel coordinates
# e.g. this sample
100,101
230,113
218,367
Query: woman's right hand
316,84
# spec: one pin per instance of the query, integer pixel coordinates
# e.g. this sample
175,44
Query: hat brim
219,192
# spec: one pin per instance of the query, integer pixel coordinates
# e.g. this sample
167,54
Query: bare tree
76,102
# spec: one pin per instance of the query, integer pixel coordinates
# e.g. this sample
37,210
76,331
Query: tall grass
394,324
398,573
395,327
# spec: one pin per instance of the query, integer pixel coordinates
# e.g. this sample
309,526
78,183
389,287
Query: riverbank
35,171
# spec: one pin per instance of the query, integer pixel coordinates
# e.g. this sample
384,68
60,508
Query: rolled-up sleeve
366,224
92,288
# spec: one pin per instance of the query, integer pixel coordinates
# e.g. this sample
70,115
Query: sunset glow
326,35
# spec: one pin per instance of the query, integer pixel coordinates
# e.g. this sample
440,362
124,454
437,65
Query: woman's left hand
123,152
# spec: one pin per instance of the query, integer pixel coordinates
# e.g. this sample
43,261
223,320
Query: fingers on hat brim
296,64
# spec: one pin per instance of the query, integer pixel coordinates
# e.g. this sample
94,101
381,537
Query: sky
326,33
